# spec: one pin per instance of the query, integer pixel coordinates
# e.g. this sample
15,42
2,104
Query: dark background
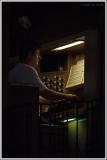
50,20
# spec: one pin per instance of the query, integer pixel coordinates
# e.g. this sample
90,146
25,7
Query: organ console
63,70
79,74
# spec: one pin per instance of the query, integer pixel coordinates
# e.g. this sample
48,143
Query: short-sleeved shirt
26,75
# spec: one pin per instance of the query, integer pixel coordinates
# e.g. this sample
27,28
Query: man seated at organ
25,73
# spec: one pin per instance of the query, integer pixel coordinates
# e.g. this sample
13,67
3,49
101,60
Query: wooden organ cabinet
76,69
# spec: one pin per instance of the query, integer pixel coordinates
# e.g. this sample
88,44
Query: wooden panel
21,123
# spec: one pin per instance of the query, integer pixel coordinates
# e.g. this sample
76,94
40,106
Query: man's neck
30,65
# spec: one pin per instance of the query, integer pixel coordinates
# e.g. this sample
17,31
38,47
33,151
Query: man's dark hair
25,47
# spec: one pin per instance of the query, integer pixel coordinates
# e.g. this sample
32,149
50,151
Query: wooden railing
58,118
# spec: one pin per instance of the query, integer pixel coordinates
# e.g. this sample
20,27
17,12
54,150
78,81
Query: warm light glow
68,45
68,120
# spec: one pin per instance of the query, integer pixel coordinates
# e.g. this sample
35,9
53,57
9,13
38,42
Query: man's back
26,75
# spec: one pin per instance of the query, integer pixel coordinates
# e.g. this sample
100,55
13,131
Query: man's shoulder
22,66
22,73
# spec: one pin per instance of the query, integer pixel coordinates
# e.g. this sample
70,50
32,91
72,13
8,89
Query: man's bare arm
43,100
53,95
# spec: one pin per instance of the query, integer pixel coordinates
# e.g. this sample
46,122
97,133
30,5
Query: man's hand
43,100
72,97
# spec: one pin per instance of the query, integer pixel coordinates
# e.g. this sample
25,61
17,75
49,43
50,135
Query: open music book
76,76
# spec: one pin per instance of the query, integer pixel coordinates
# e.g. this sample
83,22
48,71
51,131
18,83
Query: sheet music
76,75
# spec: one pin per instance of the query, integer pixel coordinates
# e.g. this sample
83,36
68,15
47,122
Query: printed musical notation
76,76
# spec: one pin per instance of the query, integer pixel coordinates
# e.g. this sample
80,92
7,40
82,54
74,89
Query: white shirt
27,75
